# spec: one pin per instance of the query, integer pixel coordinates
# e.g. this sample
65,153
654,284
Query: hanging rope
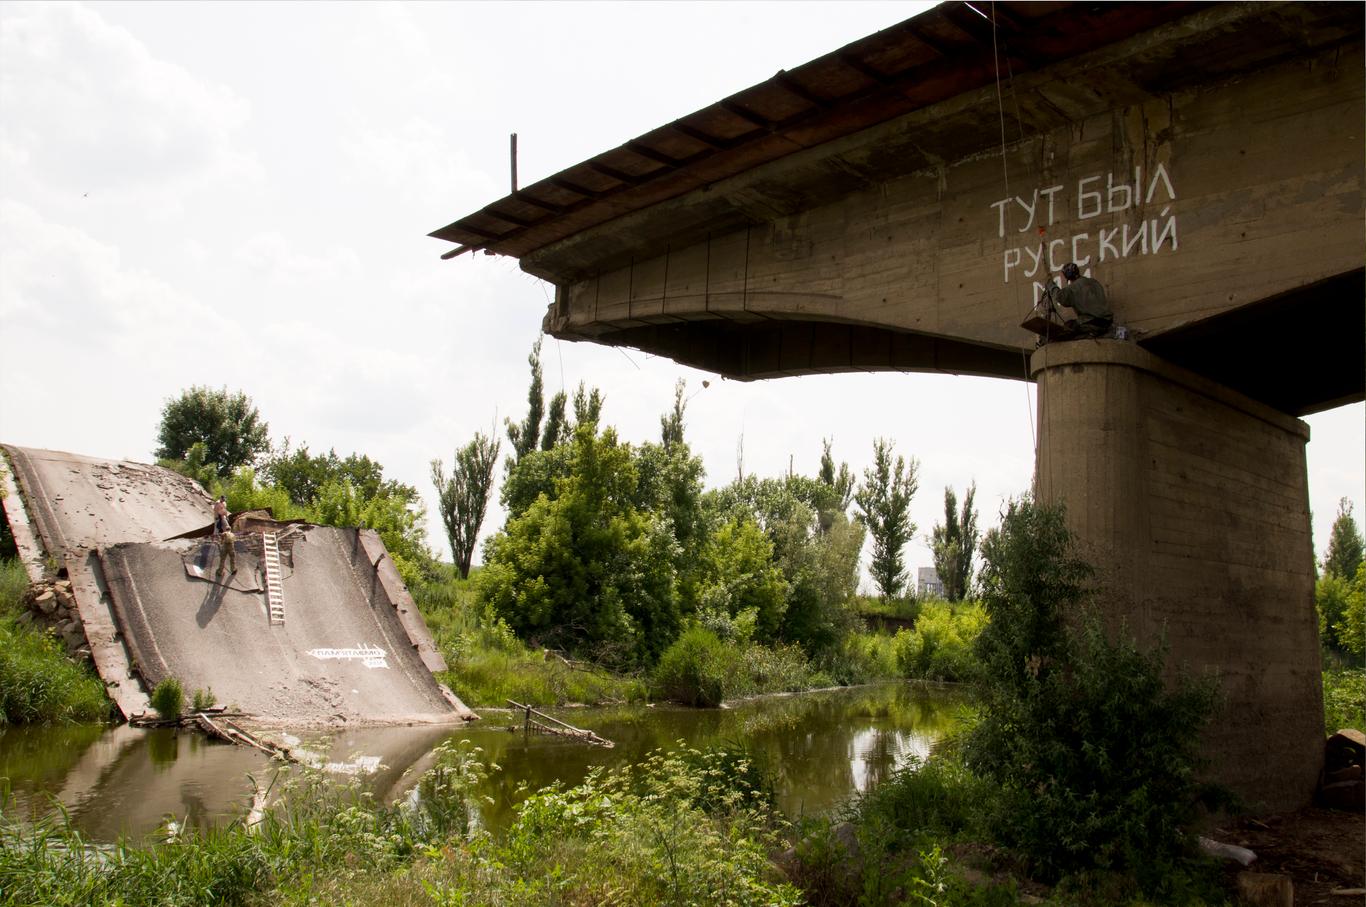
1005,177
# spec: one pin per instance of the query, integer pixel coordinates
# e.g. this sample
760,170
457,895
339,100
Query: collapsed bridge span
307,626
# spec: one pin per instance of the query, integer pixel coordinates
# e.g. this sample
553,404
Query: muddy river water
822,749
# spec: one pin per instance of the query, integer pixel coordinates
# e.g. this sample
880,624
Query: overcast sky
238,195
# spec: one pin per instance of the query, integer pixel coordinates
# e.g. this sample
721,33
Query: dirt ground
1321,850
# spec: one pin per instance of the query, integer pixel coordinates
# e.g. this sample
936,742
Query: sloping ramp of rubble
352,648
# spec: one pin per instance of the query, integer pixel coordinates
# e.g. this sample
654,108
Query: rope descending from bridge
1005,174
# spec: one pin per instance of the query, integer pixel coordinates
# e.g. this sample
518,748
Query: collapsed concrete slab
341,655
328,635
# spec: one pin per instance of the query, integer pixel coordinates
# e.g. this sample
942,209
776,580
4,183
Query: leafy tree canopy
819,563
586,570
302,475
537,471
227,424
400,520
1351,627
840,483
743,595
1344,544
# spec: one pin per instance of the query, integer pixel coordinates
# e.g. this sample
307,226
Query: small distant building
927,584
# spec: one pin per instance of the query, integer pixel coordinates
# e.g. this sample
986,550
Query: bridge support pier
1192,502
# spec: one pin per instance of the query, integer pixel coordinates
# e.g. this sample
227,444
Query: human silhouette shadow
204,557
213,599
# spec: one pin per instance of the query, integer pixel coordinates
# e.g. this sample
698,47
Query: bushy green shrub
1330,603
901,829
202,700
740,589
1344,699
679,828
814,546
701,669
861,657
937,799
168,698
696,669
588,572
776,669
1094,756
940,646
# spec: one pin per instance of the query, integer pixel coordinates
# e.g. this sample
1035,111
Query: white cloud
88,109
59,280
270,256
421,162
94,345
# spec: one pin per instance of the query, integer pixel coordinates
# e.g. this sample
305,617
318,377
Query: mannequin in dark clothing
1084,296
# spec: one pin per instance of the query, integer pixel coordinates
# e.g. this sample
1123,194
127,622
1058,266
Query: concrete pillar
1192,502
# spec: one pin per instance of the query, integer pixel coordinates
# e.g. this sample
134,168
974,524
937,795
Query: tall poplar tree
526,435
841,483
557,427
954,542
884,500
464,497
1344,544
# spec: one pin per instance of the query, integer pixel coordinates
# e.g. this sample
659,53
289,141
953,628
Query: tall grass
38,683
13,585
900,608
862,657
168,698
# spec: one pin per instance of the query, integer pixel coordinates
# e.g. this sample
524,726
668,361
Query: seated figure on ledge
1084,296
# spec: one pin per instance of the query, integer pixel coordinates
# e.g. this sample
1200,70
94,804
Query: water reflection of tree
42,754
881,758
36,760
163,747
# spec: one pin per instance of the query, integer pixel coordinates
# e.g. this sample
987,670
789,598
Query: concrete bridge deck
898,203
353,649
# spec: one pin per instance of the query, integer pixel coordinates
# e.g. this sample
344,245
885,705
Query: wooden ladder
275,589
